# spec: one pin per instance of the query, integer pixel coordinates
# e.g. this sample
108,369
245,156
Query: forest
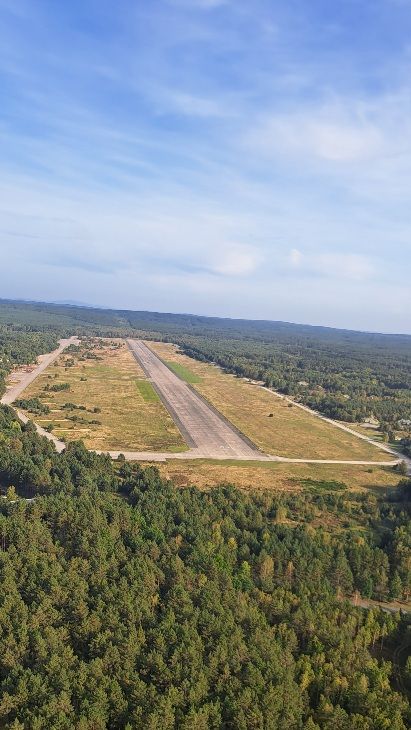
345,380
126,602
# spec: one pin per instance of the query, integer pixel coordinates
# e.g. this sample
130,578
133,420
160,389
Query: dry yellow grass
274,476
132,416
289,431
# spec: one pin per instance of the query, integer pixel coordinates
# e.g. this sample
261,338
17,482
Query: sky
237,158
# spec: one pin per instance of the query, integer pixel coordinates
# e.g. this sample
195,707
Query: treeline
345,382
125,602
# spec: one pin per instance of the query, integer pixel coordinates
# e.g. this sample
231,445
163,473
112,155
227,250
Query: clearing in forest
98,393
204,429
277,476
271,422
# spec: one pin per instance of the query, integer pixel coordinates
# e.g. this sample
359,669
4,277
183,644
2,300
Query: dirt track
44,361
13,392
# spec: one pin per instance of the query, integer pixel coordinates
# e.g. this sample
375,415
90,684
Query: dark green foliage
124,600
406,446
20,345
57,387
346,376
33,405
73,407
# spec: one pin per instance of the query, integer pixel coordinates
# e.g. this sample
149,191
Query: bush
57,387
33,405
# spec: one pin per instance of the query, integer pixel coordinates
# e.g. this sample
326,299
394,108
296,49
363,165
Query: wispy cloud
244,149
333,265
325,136
194,105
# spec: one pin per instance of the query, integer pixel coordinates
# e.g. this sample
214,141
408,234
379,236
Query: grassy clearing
372,433
316,480
109,403
276,476
183,372
147,391
270,421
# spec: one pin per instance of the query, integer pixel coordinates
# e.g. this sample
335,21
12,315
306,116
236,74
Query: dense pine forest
128,603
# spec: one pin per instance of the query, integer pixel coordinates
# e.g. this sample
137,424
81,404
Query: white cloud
234,260
190,104
295,257
342,142
171,233
328,134
336,265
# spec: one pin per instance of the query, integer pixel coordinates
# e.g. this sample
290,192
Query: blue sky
221,157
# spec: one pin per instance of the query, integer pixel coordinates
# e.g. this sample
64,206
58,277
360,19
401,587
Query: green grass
147,391
183,372
323,485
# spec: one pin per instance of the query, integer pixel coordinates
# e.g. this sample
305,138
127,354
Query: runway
206,432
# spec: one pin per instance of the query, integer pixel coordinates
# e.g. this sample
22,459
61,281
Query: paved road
60,445
204,429
14,391
198,454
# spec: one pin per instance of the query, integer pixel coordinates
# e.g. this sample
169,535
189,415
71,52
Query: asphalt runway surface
203,428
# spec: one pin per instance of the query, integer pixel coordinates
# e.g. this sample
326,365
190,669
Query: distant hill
167,323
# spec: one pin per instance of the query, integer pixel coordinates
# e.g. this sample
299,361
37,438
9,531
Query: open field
109,403
276,476
271,422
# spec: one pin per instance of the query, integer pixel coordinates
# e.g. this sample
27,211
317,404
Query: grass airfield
271,422
276,476
114,407
122,409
